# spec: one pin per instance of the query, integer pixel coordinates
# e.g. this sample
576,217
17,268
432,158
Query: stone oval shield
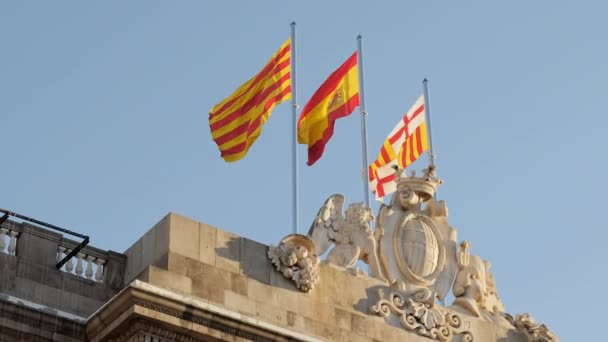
420,255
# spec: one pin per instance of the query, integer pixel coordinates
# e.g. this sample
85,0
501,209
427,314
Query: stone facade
36,299
187,281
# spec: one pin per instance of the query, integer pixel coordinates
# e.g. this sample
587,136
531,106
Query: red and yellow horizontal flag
406,142
337,97
237,121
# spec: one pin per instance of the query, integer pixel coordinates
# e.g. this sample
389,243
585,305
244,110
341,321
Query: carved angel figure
352,235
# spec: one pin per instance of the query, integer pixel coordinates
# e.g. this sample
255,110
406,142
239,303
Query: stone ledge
181,314
25,320
224,270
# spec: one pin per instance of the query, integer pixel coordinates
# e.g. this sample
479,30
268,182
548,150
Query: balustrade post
69,266
3,232
12,247
60,251
89,272
99,271
79,267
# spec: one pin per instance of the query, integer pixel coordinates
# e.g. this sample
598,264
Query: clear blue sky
103,109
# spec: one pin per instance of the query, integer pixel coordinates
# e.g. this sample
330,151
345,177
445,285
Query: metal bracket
83,244
3,218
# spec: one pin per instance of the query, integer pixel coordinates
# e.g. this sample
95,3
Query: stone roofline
186,280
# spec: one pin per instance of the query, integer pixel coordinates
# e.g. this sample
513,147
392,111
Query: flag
382,180
237,121
406,142
337,97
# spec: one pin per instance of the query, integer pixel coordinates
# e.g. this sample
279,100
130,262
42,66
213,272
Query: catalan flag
337,97
237,121
406,142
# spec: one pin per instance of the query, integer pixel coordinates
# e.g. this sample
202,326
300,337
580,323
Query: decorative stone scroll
417,312
295,258
535,332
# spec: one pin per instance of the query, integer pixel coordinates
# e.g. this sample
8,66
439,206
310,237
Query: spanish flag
337,97
237,121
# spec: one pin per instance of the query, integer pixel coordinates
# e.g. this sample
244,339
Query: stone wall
31,273
185,280
221,268
39,300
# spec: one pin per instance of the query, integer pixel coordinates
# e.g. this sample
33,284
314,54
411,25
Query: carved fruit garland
295,259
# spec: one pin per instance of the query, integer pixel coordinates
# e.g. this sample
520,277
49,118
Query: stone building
187,281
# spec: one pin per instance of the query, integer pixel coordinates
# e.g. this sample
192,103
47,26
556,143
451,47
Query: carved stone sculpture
417,312
535,332
295,258
492,301
475,288
417,246
469,287
413,250
351,235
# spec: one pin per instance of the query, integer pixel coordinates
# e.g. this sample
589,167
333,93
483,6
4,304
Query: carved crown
424,186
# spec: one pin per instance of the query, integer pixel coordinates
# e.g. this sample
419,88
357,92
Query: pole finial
293,23
424,80
359,36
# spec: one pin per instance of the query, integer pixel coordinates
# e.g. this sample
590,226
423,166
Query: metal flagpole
427,110
363,122
294,131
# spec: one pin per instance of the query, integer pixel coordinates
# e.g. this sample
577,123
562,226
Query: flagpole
294,131
363,121
427,110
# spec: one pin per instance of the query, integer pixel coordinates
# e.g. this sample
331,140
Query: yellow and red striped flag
237,121
406,142
337,97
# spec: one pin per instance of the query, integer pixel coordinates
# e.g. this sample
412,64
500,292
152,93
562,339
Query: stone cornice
39,323
171,312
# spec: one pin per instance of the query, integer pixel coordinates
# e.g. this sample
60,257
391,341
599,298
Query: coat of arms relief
412,249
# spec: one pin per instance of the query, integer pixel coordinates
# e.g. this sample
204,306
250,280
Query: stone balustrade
88,263
43,247
29,255
94,263
8,240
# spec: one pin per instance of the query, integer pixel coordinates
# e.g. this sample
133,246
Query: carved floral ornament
414,250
